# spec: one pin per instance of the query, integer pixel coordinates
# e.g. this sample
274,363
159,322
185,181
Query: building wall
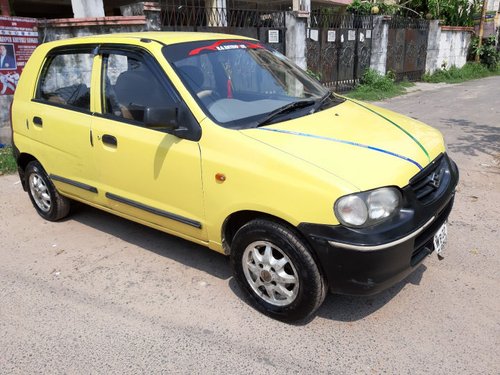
50,34
447,47
380,33
453,48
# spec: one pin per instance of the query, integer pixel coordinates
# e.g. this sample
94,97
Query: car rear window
65,80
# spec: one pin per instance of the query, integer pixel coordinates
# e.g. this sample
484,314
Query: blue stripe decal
346,143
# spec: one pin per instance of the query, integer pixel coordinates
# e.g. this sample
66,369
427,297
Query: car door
146,173
59,120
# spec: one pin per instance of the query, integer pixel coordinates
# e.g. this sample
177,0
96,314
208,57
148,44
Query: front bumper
367,261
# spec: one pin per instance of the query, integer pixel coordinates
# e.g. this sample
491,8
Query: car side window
129,87
65,80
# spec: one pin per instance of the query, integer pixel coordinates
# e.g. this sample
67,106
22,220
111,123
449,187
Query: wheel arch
22,160
239,218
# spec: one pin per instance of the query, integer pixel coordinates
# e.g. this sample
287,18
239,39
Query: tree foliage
364,7
451,12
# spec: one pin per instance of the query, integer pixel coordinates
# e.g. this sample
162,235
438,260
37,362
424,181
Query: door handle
110,140
37,121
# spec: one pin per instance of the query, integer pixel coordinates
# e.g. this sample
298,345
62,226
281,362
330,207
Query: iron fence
195,14
339,48
407,47
244,18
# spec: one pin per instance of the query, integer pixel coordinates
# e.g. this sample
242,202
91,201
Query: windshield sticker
224,45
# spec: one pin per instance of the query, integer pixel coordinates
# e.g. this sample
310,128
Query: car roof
165,37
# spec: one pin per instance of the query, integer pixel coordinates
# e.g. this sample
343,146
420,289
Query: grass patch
7,161
456,75
374,86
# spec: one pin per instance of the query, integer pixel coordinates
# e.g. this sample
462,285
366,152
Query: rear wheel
276,270
47,201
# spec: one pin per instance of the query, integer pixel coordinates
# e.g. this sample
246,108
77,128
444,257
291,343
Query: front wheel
275,268
45,198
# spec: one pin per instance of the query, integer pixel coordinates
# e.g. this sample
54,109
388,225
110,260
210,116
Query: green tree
452,12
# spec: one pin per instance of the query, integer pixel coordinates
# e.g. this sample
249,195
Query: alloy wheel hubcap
39,192
270,273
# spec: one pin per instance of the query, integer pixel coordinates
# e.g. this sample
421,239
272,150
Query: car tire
45,198
276,270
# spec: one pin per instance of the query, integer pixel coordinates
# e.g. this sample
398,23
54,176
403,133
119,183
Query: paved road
98,294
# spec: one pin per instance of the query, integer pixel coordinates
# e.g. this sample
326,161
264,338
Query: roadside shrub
488,53
7,161
375,86
376,80
454,75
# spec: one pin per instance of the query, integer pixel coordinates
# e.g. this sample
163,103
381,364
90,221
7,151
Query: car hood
362,144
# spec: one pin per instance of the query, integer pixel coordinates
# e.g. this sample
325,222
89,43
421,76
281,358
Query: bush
376,80
488,53
7,162
454,75
375,86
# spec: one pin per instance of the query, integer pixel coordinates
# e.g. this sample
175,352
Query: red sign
18,39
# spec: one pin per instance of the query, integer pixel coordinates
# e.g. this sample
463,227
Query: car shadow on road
335,307
353,308
175,248
349,308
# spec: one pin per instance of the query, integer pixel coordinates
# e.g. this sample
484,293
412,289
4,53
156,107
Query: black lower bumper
365,272
367,261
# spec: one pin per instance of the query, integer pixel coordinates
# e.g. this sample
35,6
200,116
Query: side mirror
176,120
161,118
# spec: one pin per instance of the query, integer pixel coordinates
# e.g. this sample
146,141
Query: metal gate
244,18
407,47
339,48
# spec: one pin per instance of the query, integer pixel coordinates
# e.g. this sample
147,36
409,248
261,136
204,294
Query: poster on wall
18,39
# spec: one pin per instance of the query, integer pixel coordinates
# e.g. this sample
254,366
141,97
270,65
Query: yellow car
223,141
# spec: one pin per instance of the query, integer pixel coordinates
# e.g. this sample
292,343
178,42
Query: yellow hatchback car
223,141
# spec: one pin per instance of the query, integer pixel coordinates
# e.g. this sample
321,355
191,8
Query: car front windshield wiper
321,102
285,109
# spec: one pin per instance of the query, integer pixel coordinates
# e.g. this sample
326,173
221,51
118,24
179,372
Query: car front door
146,173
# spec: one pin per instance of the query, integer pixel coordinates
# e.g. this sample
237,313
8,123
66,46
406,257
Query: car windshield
242,84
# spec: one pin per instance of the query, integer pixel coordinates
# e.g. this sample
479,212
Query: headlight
367,208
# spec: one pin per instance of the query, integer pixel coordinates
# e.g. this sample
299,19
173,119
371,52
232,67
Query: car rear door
59,119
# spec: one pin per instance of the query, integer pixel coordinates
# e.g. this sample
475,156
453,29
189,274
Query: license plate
440,240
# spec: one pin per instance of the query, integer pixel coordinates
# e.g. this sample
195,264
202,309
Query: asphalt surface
99,294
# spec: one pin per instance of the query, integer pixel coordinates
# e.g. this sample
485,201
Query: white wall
453,48
87,8
380,33
296,40
446,48
494,5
